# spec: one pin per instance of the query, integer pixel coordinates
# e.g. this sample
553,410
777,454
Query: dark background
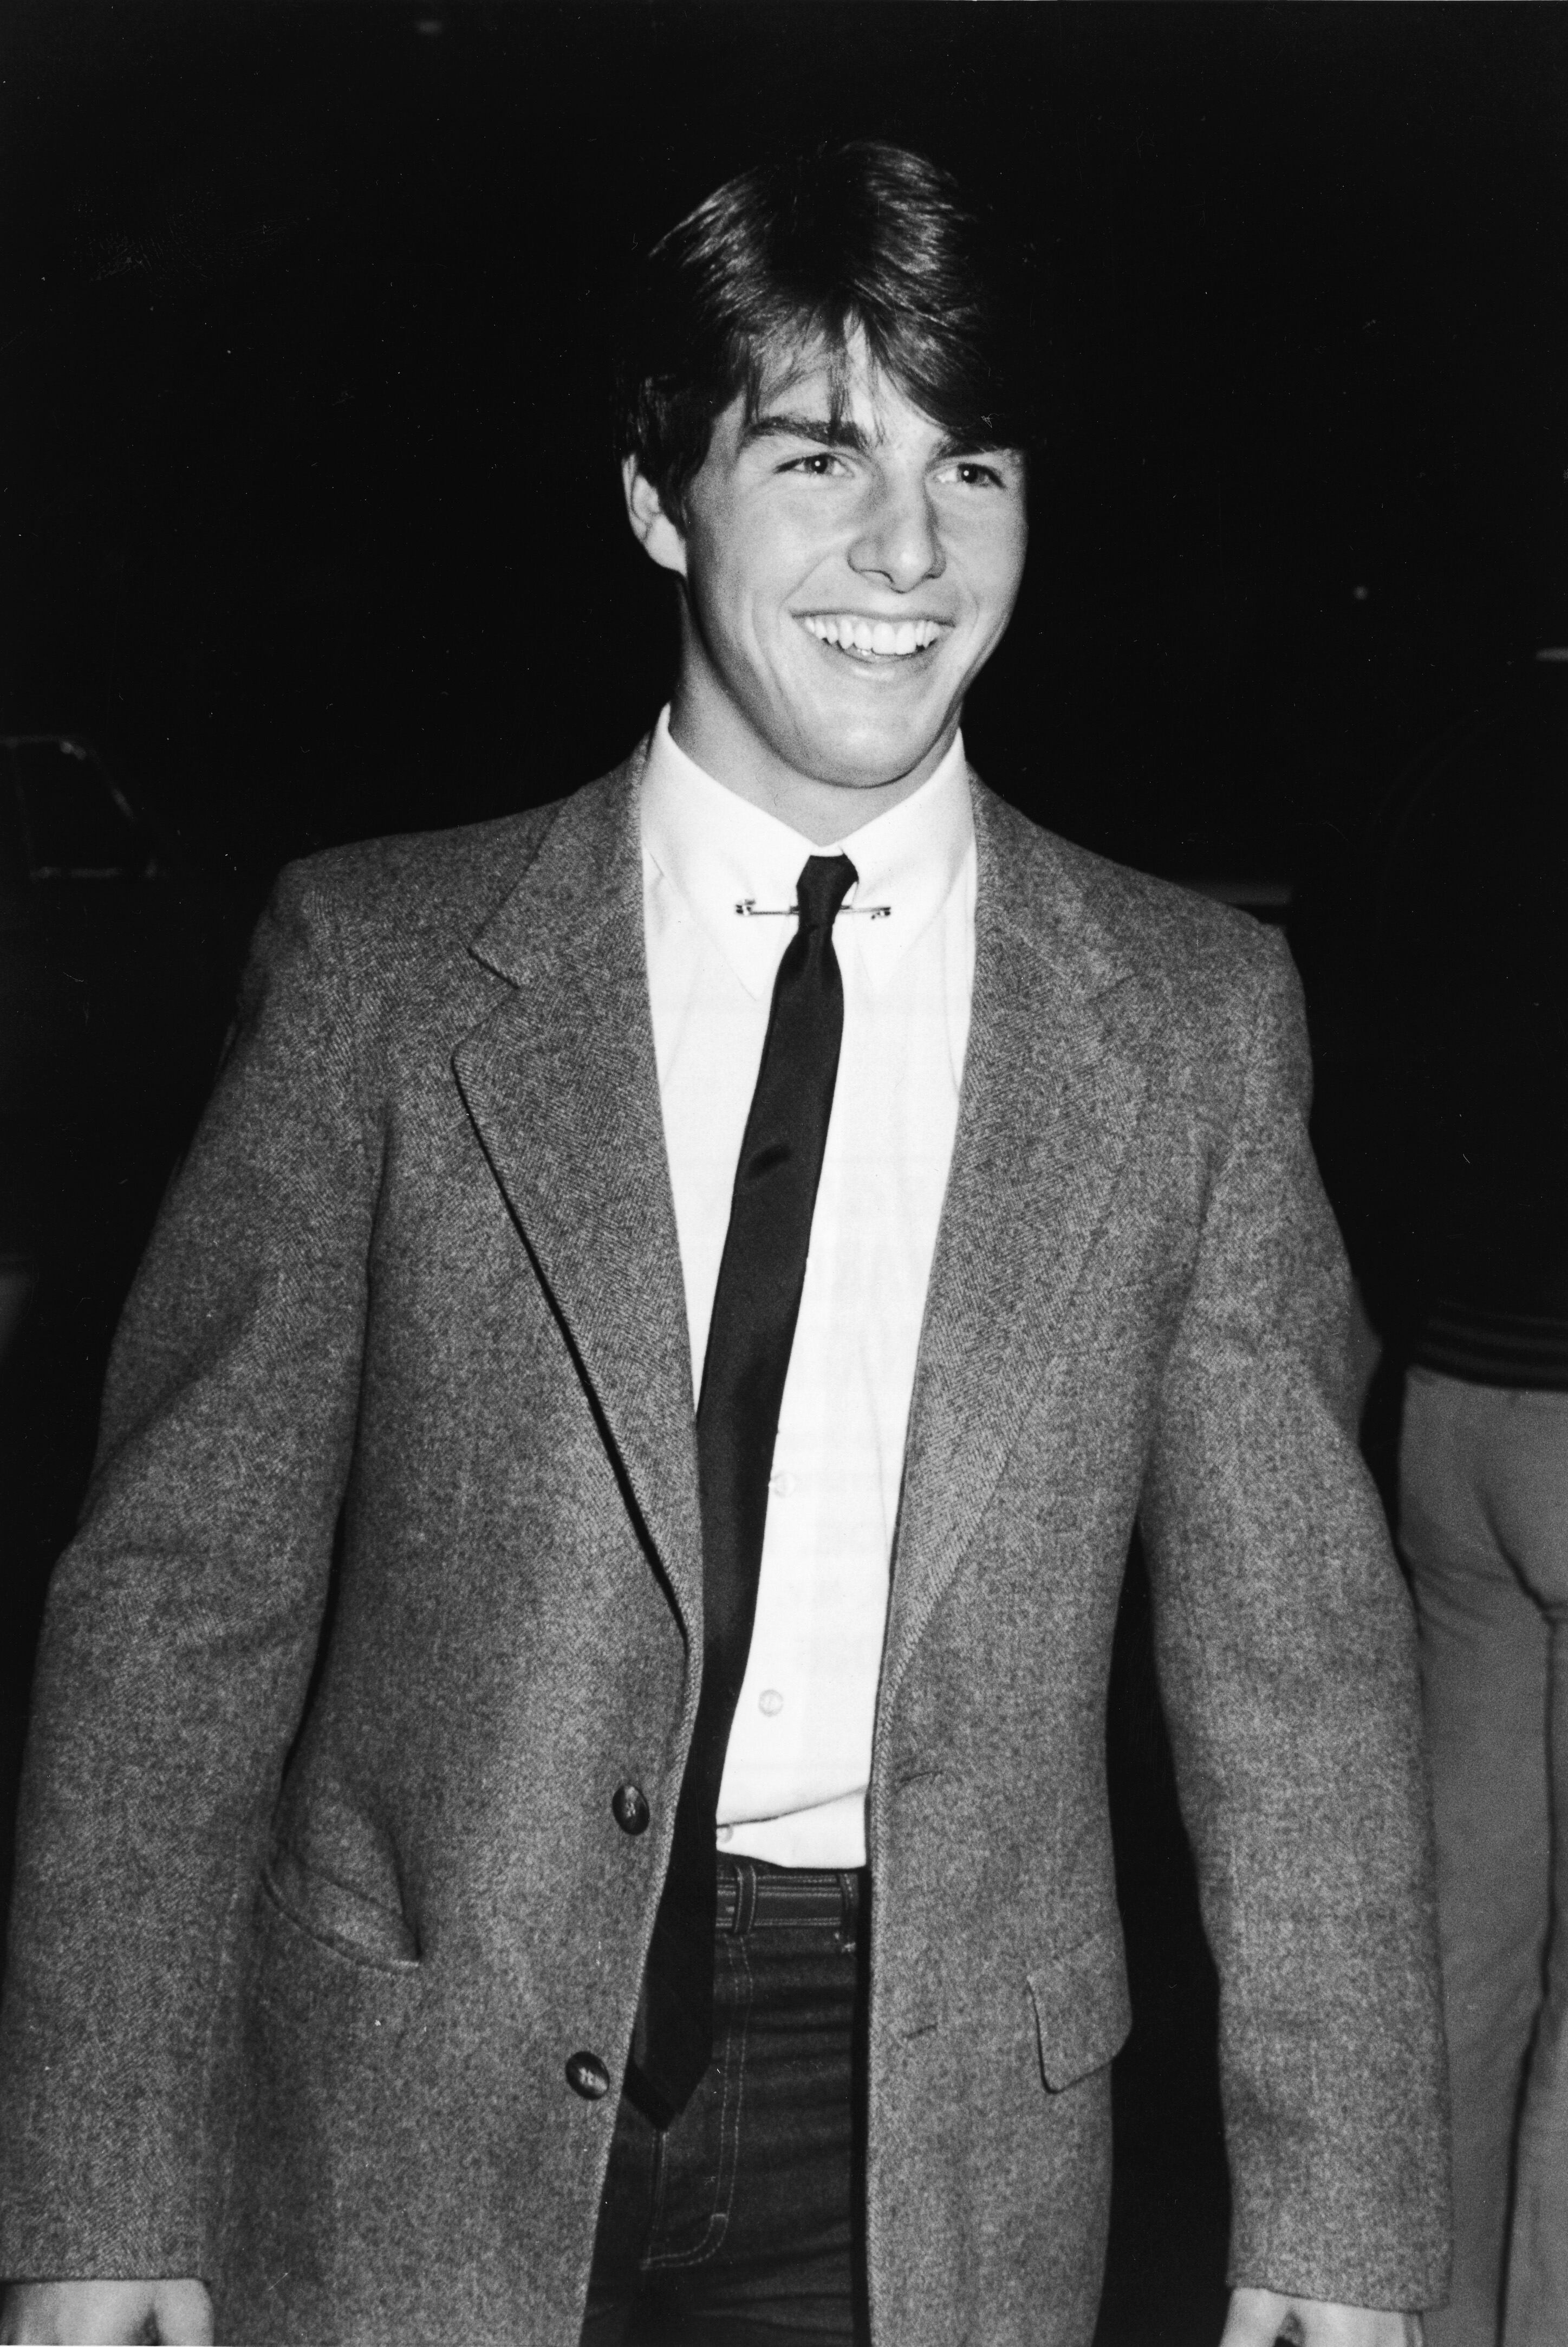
308,507
310,527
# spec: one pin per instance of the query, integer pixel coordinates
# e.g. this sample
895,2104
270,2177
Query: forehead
811,375
843,396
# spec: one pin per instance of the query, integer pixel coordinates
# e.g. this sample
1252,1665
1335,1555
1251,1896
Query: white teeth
880,637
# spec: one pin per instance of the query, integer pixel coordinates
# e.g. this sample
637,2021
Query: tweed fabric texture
390,1574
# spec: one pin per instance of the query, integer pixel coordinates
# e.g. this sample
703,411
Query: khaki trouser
1483,1525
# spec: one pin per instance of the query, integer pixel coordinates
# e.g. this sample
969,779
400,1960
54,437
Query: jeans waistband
754,1896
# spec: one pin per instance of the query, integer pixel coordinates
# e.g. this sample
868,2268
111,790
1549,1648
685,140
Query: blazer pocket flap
1081,2009
337,1916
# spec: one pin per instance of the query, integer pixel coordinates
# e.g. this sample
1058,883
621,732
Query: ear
650,525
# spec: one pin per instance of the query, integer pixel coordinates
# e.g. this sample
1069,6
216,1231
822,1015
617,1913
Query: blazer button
630,1809
587,2076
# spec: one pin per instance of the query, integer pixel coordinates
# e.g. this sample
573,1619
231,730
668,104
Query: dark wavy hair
797,257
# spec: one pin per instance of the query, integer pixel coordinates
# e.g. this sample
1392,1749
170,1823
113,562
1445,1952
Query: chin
860,756
873,767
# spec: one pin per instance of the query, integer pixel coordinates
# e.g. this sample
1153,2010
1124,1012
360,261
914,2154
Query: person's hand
106,2314
1260,2317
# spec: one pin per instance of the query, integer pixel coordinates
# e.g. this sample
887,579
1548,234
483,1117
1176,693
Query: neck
822,812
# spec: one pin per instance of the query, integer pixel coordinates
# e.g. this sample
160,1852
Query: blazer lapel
561,1084
1052,1085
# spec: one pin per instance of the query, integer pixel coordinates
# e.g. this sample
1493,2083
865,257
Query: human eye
973,473
815,465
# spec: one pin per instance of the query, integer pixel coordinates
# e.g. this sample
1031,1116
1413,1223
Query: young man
673,1897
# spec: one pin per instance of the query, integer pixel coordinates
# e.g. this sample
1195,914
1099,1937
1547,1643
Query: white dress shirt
799,1754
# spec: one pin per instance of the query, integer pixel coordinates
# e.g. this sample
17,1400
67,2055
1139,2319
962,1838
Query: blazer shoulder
430,887
1133,925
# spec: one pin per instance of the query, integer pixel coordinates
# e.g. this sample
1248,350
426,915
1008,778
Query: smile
873,639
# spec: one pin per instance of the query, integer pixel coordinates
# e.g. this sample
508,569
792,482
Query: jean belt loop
745,1897
849,1891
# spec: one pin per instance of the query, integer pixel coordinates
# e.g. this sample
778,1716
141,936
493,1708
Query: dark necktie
755,1306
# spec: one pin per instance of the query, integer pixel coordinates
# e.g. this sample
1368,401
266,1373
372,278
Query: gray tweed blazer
319,1881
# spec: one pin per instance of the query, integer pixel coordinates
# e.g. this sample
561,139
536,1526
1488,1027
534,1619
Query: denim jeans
1483,1525
740,2223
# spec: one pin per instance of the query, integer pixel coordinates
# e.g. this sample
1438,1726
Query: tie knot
824,884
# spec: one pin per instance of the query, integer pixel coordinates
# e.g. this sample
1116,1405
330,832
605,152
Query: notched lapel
1052,1085
561,1084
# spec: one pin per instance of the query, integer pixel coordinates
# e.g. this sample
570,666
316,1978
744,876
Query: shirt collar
718,852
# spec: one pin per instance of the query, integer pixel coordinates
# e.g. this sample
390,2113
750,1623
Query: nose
898,540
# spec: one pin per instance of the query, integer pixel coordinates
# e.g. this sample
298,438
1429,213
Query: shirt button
782,1484
587,2076
770,1703
726,1835
630,1807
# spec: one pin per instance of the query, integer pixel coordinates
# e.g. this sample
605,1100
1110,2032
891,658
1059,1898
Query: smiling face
847,571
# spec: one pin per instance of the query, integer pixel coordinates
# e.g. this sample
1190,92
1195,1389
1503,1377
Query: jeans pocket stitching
717,2225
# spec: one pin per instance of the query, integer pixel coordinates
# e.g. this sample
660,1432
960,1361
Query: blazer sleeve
180,1636
1285,1655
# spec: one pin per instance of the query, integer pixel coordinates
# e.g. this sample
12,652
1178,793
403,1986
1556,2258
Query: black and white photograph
784,1172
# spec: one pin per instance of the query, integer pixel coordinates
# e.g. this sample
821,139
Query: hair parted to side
797,257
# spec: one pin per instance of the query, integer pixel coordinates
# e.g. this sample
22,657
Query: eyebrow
823,431
842,432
